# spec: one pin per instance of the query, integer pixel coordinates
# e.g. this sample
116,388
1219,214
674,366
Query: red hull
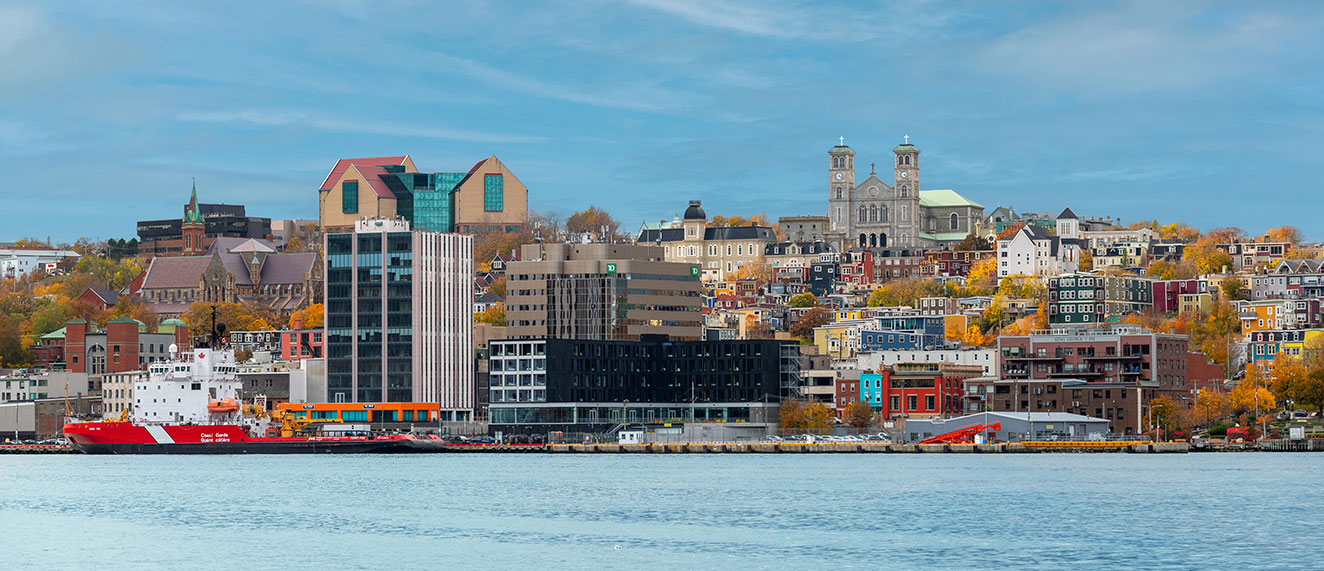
126,437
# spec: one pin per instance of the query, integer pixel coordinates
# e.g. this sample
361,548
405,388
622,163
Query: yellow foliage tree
982,278
310,317
495,314
1249,392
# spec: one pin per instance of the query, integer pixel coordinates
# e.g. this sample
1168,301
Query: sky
1205,112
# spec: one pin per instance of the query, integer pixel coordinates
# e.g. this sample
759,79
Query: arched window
905,190
882,214
873,240
907,159
864,214
862,240
839,191
905,215
882,240
873,213
956,224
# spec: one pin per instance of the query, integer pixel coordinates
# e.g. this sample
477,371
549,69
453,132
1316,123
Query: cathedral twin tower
874,213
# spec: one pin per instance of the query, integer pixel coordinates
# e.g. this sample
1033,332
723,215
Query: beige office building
601,291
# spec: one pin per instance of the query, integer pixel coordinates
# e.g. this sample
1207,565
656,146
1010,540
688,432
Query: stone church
876,214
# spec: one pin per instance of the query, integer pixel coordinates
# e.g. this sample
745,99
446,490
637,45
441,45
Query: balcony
1085,373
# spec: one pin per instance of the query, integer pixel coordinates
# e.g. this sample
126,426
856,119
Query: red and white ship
191,405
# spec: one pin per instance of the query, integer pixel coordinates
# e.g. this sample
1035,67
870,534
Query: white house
1034,251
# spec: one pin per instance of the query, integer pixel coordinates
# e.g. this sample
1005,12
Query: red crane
961,435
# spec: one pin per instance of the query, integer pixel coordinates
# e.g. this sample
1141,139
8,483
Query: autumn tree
805,299
1206,256
1162,413
971,242
498,287
818,417
133,307
1249,394
1021,286
758,270
1086,261
982,278
488,245
495,314
235,316
310,317
1169,270
858,415
905,291
815,317
791,415
1232,288
755,220
1289,234
597,222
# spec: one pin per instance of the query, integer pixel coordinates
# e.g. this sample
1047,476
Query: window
864,214
493,189
956,224
349,196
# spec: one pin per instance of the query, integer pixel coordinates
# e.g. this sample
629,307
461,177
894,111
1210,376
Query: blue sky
1210,113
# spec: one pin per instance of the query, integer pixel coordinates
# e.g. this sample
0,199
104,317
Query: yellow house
954,326
1296,349
848,314
840,339
1194,303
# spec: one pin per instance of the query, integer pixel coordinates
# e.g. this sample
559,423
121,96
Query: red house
301,344
1167,294
922,390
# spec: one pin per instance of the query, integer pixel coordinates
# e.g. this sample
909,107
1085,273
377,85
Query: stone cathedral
877,214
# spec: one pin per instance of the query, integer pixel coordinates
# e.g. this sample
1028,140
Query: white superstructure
179,391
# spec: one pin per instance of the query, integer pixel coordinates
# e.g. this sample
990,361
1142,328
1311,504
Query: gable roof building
718,251
486,197
247,271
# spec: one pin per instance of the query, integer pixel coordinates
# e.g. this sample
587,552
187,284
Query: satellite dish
174,348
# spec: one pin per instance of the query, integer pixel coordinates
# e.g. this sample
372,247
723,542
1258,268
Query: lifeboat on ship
223,406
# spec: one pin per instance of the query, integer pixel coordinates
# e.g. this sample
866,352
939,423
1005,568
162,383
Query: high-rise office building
602,292
399,316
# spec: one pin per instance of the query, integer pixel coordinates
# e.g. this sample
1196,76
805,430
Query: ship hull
255,447
128,438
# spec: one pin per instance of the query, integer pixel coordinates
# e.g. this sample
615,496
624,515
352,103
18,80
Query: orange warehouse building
365,411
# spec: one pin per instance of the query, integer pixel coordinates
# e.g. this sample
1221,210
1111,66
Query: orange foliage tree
310,317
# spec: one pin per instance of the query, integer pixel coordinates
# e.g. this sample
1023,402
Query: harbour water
521,511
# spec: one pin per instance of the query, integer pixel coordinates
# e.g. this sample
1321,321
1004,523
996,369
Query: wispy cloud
634,95
1139,48
814,21
348,125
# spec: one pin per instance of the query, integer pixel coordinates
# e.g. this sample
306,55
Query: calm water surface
1211,511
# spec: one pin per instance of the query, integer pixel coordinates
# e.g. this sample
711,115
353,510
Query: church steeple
193,226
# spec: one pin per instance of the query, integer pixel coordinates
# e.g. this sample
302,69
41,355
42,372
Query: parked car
772,438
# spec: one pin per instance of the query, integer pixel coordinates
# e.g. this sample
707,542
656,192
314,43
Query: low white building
16,263
876,360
